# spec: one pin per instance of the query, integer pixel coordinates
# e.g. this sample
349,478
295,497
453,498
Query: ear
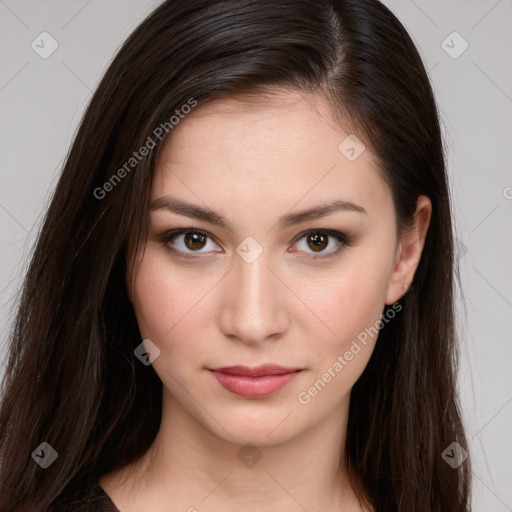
409,250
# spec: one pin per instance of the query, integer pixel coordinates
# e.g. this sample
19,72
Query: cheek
168,304
347,302
351,306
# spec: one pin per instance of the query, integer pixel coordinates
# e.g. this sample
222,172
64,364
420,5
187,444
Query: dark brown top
103,501
90,499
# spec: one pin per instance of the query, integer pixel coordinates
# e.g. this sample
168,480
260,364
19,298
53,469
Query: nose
254,307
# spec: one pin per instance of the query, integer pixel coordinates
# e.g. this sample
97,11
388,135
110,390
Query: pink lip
255,382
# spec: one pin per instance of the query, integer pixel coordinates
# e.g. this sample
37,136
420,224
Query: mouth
257,382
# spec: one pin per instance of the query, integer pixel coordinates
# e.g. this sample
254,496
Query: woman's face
261,278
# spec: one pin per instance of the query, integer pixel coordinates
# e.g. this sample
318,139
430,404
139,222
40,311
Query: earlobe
412,241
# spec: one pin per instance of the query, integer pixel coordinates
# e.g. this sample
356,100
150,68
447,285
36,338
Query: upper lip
257,371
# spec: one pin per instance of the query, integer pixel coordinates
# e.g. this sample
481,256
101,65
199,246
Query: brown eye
324,243
317,241
189,241
194,241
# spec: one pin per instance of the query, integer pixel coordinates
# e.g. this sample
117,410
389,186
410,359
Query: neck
195,470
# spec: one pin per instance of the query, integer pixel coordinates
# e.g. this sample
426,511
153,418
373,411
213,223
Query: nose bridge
254,309
254,281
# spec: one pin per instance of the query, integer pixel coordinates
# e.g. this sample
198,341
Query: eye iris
195,241
319,241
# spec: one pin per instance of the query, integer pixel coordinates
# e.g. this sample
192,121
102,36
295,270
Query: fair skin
252,163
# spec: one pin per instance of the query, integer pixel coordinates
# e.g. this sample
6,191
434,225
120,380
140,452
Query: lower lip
253,387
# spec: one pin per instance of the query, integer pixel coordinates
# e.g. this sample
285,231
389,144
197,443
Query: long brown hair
72,379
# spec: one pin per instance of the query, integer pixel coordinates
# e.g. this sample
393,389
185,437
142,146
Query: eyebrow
203,213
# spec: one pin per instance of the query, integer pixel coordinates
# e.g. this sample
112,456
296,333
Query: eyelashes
191,243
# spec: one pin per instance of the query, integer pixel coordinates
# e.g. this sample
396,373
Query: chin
257,427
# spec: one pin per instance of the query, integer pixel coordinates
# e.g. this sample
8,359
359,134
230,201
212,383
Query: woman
242,293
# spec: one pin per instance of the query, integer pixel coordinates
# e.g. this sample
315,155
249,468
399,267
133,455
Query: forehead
283,146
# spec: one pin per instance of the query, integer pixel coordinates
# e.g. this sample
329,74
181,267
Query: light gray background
42,101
